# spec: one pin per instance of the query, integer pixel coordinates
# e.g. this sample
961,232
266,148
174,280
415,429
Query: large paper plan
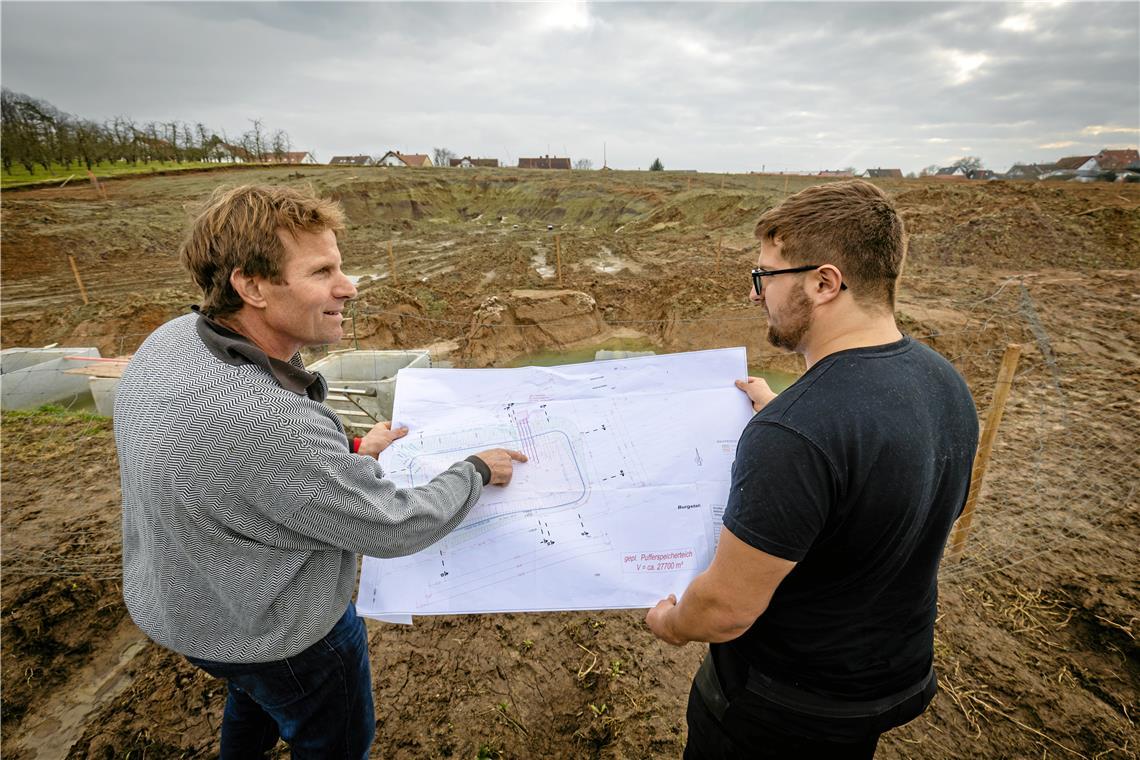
619,503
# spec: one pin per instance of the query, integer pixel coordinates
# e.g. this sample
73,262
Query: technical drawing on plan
617,505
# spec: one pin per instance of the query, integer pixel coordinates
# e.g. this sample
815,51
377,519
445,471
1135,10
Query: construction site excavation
1036,641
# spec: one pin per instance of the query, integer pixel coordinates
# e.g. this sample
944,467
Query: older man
820,601
245,505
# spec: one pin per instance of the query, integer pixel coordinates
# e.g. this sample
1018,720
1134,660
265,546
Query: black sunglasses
759,274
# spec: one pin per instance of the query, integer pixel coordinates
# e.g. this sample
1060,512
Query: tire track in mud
62,719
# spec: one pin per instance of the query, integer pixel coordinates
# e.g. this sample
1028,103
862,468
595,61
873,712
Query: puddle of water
607,263
777,380
538,261
579,355
68,711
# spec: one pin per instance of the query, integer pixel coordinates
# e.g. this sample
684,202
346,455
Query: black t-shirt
857,473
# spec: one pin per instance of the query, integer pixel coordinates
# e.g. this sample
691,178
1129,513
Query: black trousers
754,727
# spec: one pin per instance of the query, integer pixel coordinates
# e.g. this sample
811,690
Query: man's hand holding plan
619,502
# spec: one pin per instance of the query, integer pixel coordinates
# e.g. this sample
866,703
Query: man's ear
828,282
248,288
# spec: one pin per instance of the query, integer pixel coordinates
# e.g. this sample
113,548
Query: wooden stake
97,184
719,247
78,280
786,178
558,256
392,264
985,447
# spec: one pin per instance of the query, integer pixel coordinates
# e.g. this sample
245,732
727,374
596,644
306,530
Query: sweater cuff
482,468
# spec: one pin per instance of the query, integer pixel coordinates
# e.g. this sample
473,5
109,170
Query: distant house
835,173
234,154
981,174
1028,171
351,161
952,172
470,163
1095,167
1071,163
396,158
544,162
1111,160
883,174
291,157
1067,167
391,158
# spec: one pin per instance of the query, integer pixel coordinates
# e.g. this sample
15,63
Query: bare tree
256,143
969,163
280,145
34,132
583,164
205,141
442,156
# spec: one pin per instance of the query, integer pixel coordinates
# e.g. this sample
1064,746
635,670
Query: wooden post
786,178
392,264
558,256
985,447
719,248
352,316
95,183
78,279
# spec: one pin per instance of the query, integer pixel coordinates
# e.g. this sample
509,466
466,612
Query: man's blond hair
852,225
238,229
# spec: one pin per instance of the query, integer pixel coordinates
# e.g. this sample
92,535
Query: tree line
34,133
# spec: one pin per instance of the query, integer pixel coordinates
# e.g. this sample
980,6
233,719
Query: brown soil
1036,642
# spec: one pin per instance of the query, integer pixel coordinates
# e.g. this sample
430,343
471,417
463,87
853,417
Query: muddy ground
1036,642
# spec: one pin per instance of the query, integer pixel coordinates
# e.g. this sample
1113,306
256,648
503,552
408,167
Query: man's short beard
796,321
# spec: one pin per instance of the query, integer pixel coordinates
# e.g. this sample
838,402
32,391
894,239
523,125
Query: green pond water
776,379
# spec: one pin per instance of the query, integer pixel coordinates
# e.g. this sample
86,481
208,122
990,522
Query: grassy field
78,172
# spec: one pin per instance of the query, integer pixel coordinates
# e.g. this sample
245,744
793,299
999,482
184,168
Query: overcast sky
712,87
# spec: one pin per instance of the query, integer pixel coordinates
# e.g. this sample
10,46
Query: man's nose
345,288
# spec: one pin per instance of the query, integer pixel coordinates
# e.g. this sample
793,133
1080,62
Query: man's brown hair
237,229
852,225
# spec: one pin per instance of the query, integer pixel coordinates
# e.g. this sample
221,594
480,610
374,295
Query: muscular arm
724,601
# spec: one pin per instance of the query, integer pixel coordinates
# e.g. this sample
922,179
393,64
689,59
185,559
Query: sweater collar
235,349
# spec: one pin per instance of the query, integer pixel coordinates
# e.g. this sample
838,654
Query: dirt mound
706,209
1036,638
1012,226
527,321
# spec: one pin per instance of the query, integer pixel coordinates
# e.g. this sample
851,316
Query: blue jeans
318,701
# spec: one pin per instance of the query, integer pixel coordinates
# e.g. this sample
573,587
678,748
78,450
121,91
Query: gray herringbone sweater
244,509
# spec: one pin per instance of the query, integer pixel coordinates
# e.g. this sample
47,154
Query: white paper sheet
618,506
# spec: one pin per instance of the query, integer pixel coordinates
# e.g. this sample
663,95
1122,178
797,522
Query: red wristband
356,444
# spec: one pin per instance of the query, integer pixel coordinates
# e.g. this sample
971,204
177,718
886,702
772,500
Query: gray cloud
786,86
